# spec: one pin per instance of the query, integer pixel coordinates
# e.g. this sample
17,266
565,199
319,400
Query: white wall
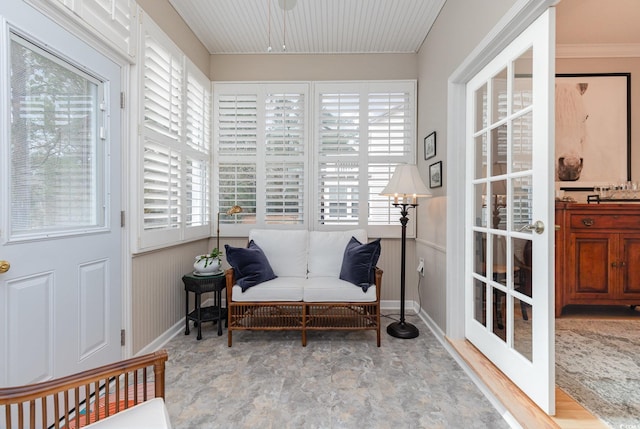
461,25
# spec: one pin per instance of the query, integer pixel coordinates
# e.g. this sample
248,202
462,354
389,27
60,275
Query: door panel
509,289
631,267
60,192
592,274
30,355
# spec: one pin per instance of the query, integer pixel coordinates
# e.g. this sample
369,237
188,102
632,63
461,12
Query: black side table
214,313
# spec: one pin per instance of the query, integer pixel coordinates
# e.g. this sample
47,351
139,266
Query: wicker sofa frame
59,400
302,316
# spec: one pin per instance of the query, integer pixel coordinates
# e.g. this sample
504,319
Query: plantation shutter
285,158
363,131
113,20
236,131
261,145
391,135
198,150
176,144
161,187
162,88
339,156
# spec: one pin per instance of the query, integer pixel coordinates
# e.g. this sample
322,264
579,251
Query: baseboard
164,338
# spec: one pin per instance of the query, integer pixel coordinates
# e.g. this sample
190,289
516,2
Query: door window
57,161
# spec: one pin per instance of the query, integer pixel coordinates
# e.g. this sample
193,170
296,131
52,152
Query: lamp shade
406,182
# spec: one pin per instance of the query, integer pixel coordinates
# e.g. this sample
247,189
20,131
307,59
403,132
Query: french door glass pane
56,163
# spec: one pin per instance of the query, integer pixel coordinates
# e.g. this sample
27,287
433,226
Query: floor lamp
405,187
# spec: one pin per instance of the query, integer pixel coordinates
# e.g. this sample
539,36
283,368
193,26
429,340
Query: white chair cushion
278,289
326,250
332,289
286,250
152,414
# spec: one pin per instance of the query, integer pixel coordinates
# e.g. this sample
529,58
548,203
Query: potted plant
209,263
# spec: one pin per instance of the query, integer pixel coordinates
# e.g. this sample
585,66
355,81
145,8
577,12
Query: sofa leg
304,338
378,334
229,337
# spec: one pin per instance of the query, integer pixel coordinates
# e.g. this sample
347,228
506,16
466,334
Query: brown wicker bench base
303,316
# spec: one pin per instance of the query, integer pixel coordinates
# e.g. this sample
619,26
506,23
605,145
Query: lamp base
402,330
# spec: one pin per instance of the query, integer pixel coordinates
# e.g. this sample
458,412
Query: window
261,148
264,159
363,129
176,143
57,157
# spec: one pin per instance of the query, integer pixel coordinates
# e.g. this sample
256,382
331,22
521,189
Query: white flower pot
212,265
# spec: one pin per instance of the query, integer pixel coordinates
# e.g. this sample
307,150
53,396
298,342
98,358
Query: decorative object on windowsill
405,187
232,211
209,264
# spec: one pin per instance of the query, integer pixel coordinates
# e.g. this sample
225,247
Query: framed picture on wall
593,129
430,146
435,175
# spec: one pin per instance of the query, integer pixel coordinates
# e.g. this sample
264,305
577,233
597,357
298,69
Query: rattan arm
55,394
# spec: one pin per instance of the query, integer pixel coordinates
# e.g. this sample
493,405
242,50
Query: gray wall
460,27
274,67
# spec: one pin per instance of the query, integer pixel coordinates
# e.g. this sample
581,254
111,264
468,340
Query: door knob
537,227
4,266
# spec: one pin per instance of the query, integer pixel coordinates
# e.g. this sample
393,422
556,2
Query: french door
509,225
60,286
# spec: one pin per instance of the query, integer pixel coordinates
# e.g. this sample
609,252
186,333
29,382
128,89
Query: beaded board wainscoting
340,380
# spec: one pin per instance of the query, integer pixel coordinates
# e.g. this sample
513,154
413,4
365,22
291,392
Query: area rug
598,364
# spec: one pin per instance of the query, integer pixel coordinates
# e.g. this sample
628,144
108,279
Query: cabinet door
630,266
590,258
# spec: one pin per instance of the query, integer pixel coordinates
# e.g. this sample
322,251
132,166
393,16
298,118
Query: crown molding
598,50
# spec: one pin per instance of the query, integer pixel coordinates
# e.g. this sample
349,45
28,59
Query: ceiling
373,26
310,26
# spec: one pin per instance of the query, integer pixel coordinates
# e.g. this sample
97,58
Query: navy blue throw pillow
250,264
359,263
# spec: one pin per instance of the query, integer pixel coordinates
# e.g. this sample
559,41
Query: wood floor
569,413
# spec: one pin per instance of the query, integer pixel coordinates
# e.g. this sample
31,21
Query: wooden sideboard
597,254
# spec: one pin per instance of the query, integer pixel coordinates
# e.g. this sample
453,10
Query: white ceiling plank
312,26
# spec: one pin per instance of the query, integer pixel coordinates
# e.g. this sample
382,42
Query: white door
60,300
509,270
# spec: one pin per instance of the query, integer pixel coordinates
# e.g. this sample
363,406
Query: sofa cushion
278,289
326,250
331,289
286,250
250,265
359,262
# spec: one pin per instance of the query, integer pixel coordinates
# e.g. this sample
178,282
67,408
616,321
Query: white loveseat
307,293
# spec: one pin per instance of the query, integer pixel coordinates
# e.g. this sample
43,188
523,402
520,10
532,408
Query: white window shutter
162,88
161,187
364,130
176,144
261,137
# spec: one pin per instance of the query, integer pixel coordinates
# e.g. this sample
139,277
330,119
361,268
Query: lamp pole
402,329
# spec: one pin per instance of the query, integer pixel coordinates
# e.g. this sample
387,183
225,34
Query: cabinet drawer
603,221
